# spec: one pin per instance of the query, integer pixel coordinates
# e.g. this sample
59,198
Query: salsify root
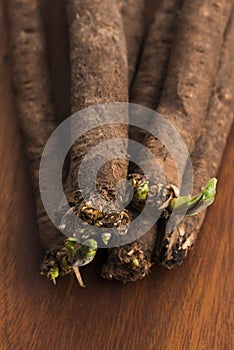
172,247
190,75
133,261
33,98
99,74
192,47
151,72
134,25
36,116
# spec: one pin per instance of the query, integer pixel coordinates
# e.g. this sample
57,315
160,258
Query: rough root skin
129,263
173,247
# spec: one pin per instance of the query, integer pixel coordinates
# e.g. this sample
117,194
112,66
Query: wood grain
190,308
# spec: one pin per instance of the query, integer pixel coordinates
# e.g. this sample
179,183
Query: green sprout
85,253
70,245
76,255
142,191
52,274
193,205
83,256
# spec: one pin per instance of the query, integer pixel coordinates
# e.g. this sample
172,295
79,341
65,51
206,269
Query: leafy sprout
85,253
193,205
142,191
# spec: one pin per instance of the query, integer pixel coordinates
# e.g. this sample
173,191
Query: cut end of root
129,263
173,247
55,264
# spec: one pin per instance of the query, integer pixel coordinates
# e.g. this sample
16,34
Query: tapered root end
129,263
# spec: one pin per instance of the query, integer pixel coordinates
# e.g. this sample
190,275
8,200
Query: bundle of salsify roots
174,57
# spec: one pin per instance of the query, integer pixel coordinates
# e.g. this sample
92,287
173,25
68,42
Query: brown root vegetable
33,98
190,75
99,74
146,90
36,117
97,53
133,19
151,73
173,247
197,45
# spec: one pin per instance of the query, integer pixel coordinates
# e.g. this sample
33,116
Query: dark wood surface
190,308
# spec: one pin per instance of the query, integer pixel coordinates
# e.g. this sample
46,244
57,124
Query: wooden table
190,308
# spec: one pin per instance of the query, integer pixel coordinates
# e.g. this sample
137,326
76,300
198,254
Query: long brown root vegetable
133,261
97,53
191,72
33,98
151,73
99,74
36,116
156,52
190,75
172,247
133,19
